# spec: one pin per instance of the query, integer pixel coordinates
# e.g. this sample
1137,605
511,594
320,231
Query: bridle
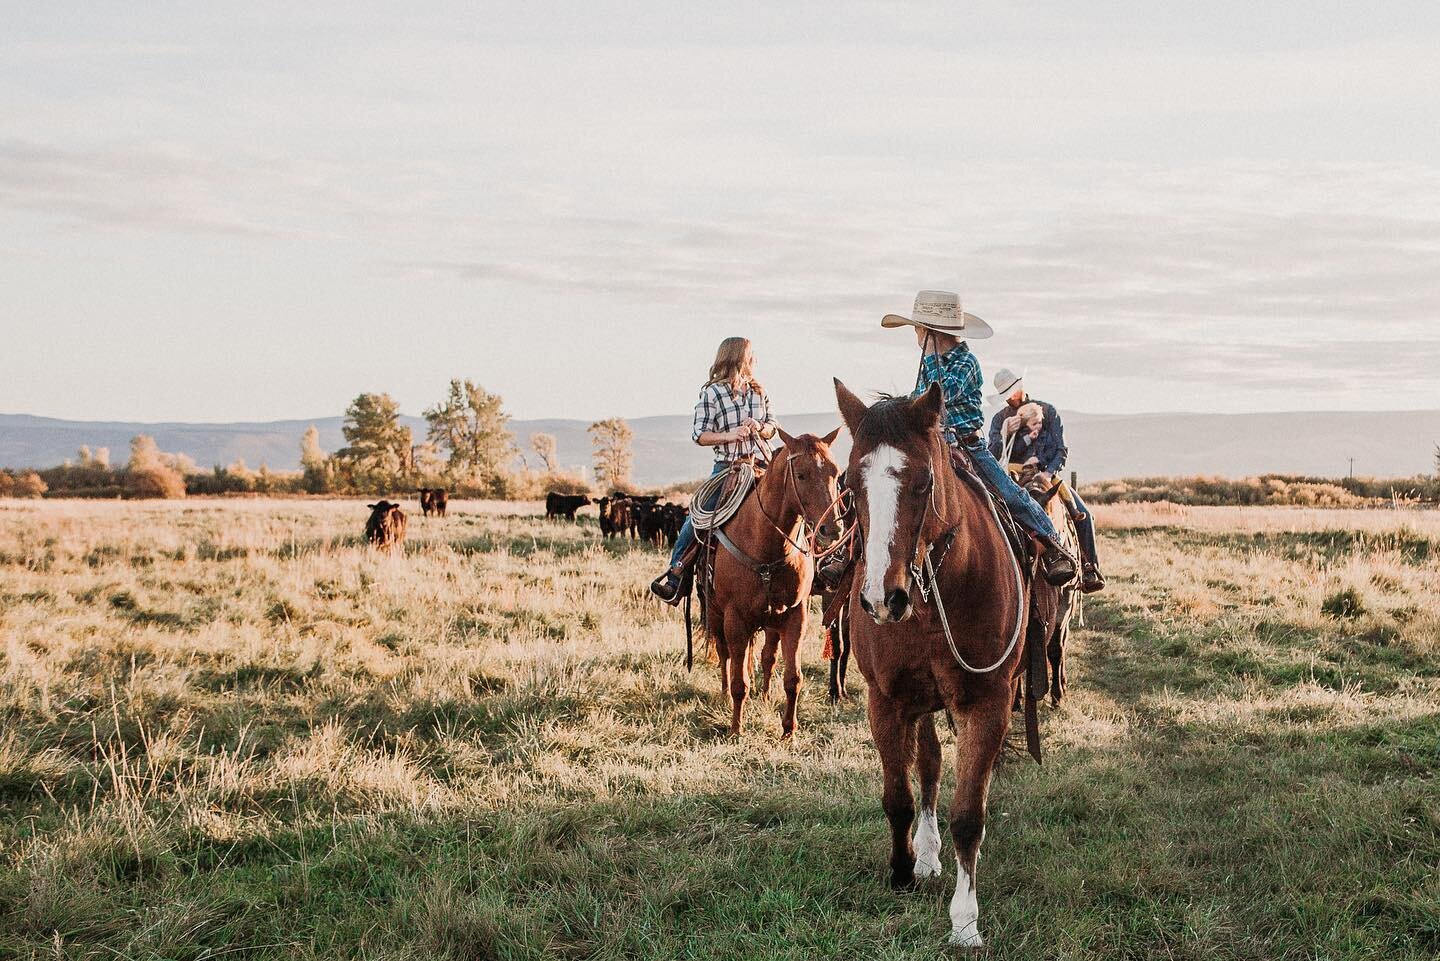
767,570
794,486
924,572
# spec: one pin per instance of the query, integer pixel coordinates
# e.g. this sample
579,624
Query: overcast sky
260,213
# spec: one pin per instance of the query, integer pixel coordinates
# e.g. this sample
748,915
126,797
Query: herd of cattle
639,516
642,517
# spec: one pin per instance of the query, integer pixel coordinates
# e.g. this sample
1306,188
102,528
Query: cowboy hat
1006,382
940,310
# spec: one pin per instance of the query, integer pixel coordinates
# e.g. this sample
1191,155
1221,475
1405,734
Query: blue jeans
687,530
1086,529
1024,507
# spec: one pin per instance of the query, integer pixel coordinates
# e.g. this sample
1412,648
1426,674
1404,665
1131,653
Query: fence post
1074,481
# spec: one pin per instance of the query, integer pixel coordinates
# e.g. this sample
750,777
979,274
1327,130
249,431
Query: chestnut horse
760,579
936,612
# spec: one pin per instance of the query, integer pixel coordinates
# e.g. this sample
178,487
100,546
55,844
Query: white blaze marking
927,845
965,911
881,472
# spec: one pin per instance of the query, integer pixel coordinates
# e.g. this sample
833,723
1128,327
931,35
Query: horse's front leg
791,630
927,769
894,736
1056,655
840,658
722,649
738,637
767,660
985,721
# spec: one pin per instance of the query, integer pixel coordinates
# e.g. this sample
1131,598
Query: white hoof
964,911
968,938
927,846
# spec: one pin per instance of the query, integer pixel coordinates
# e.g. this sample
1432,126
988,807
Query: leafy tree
611,439
470,427
319,473
545,448
150,473
377,447
29,484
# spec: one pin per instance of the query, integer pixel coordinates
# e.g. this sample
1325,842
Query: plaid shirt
957,371
718,410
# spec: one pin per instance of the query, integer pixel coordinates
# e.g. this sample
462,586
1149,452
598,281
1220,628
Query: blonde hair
732,366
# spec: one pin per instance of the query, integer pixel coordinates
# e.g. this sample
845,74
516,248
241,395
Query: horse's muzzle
897,603
897,606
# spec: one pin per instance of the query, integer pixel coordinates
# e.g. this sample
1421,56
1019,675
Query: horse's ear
829,438
928,407
785,438
852,408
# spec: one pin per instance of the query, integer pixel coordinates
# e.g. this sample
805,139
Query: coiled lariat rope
706,519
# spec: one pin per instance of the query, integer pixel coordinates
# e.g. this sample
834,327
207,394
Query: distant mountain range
1103,446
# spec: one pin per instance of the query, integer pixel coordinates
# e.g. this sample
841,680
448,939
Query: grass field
230,730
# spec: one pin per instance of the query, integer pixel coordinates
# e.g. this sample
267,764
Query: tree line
468,448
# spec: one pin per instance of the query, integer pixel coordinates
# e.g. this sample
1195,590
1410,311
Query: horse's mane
888,421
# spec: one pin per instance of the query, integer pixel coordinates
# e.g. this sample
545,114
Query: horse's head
897,447
810,476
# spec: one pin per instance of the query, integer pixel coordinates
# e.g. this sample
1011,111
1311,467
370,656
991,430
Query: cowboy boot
832,569
1057,567
667,586
1091,580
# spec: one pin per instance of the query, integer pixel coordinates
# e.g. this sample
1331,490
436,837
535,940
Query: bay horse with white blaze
937,610
761,574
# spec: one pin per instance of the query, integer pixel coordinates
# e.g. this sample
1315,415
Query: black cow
564,505
386,527
434,500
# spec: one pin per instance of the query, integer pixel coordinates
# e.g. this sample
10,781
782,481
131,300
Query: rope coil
706,519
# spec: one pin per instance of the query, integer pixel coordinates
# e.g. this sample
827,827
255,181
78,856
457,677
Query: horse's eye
924,482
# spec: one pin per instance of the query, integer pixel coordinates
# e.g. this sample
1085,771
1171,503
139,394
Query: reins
925,571
766,570
931,571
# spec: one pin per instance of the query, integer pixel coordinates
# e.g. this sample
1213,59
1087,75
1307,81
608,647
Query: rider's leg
1021,504
667,585
1091,580
1057,565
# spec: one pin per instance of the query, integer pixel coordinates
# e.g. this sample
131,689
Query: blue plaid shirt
957,371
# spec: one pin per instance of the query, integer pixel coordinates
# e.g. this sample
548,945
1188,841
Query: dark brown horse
936,614
1051,608
761,579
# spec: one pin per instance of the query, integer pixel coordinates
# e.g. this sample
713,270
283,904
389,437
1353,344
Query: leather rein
925,570
762,569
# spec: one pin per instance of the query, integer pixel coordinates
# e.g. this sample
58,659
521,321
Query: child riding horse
946,360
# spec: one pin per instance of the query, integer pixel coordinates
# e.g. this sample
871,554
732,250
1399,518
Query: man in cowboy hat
1048,451
942,329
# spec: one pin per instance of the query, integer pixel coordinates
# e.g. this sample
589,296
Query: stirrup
667,587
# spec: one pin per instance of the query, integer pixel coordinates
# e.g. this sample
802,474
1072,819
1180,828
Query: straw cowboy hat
940,310
1006,382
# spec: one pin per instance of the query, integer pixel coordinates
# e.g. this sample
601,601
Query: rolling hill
1397,443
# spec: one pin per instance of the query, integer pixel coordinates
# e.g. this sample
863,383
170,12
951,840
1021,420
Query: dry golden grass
231,728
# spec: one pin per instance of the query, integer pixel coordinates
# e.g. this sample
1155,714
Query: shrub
29,484
1346,603
154,481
